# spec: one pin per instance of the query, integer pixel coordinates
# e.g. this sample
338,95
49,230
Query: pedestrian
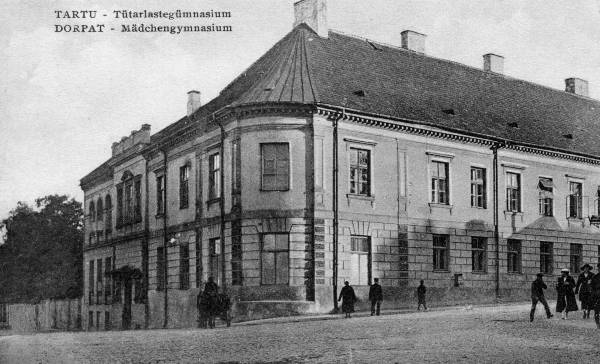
584,288
211,288
595,296
349,297
375,296
421,291
537,295
565,300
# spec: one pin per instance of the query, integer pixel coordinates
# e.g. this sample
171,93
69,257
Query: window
478,187
97,320
160,195
107,323
117,291
92,211
275,258
108,224
546,257
236,178
439,182
184,187
514,256
440,252
119,206
91,282
138,291
575,257
360,171
128,208
360,250
513,192
214,176
108,286
99,282
546,201
99,210
236,254
214,250
137,203
275,166
160,269
479,254
575,200
3,315
91,319
184,267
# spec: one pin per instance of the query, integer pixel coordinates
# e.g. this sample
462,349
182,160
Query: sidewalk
366,313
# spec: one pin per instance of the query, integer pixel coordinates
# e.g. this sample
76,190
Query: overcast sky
66,97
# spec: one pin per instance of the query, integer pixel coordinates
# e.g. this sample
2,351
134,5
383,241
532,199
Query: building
337,158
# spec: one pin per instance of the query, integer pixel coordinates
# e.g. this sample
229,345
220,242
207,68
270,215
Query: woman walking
584,287
349,297
565,301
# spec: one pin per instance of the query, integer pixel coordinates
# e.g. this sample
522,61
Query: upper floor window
478,186
236,178
99,210
184,187
275,166
137,203
439,182
160,195
360,171
128,204
119,205
214,176
575,200
513,192
108,205
546,201
92,211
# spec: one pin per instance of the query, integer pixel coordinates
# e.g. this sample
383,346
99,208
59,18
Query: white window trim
444,158
365,145
519,172
485,185
290,166
581,180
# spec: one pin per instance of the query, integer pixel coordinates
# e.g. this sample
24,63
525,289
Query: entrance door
126,317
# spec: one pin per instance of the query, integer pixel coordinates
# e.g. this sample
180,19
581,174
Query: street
501,334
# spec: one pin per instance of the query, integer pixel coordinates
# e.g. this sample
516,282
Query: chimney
314,14
493,63
576,86
193,103
413,41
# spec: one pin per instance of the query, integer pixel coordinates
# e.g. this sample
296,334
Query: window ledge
160,216
281,190
441,205
479,207
479,272
515,273
516,213
213,201
441,271
360,197
574,218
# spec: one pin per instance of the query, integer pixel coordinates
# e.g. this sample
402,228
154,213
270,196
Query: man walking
537,294
595,286
375,296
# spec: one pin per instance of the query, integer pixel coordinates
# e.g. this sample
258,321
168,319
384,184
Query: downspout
145,252
222,202
335,209
496,234
165,240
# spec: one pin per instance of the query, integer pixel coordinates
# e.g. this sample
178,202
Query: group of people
587,286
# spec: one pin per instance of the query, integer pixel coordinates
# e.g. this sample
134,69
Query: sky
65,97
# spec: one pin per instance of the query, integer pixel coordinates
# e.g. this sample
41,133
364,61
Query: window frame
214,258
579,211
276,173
184,267
369,168
482,183
546,197
160,194
433,188
184,186
214,175
575,257
514,252
445,253
479,252
546,257
276,252
510,190
161,268
366,241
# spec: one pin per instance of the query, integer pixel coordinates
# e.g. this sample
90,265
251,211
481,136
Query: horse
210,307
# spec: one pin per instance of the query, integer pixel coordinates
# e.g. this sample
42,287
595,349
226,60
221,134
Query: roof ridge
494,74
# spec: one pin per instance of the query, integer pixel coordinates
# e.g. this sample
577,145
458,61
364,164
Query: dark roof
390,81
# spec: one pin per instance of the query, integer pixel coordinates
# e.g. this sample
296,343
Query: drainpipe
222,202
335,209
495,148
145,251
165,240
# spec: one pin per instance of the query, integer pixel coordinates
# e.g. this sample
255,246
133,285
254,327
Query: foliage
42,253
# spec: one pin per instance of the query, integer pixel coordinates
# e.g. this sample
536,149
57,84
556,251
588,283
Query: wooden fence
47,315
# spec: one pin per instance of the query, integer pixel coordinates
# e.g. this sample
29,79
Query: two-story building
337,158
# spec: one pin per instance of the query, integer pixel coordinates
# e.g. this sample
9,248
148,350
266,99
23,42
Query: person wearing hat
537,295
595,297
349,298
565,300
375,296
584,288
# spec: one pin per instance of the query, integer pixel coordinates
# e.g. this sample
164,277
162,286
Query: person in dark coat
375,296
349,297
595,296
584,289
421,291
565,300
537,295
211,288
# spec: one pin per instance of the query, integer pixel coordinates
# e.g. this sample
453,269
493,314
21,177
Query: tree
42,253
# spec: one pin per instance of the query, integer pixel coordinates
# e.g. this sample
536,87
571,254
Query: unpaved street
480,335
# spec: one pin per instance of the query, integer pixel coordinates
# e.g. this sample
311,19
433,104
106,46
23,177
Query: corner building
337,158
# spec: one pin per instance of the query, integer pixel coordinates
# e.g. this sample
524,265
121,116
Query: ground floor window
360,262
275,258
514,256
214,247
184,267
546,257
107,323
478,254
160,269
441,252
98,320
108,284
3,315
576,257
91,319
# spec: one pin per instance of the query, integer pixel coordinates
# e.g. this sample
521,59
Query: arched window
92,211
108,204
99,209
